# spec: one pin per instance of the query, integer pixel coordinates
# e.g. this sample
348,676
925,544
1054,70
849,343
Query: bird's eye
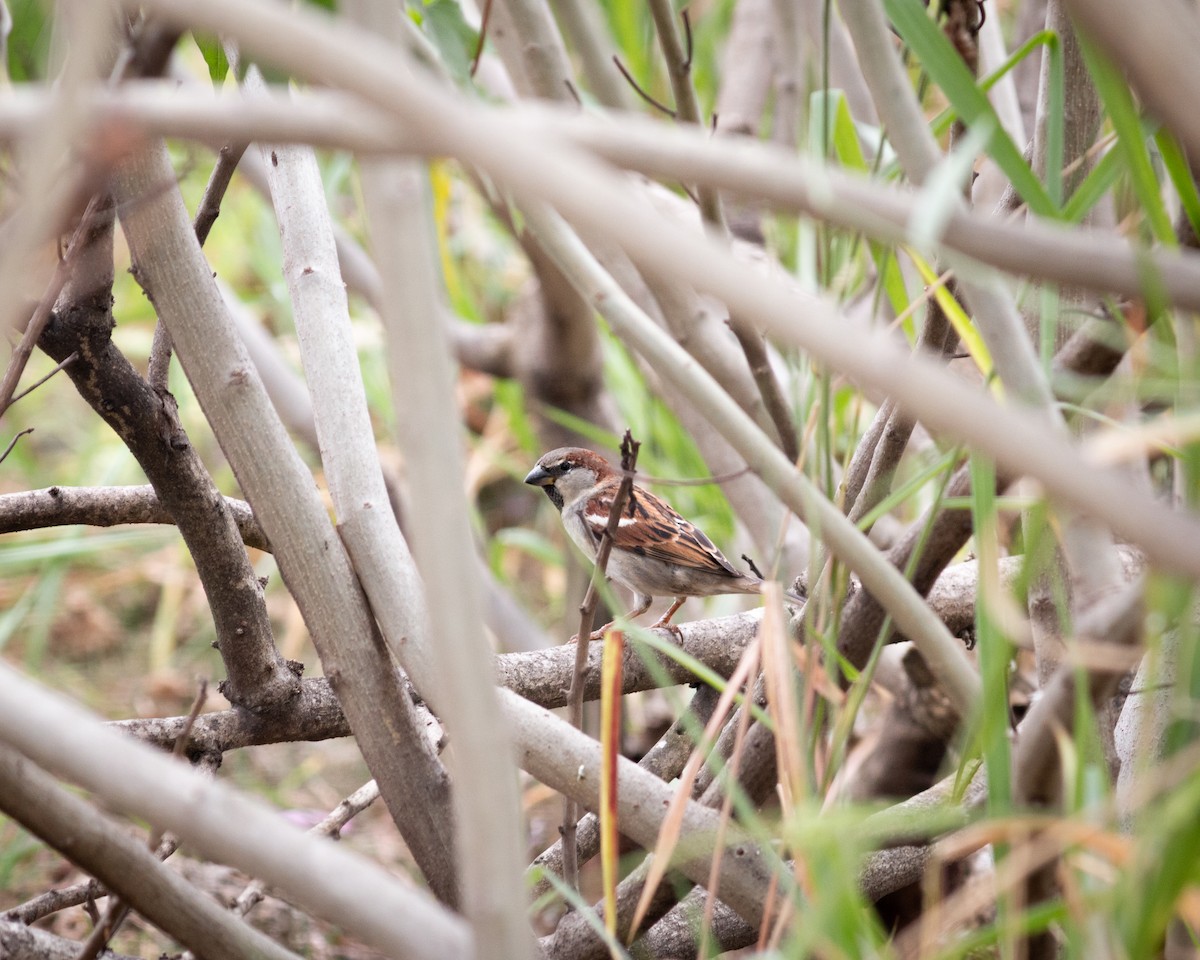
564,467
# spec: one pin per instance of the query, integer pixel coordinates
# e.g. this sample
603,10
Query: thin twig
687,33
57,367
228,157
331,826
13,443
638,89
483,26
710,480
107,507
41,315
587,611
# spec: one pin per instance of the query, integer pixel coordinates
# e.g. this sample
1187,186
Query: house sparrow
655,551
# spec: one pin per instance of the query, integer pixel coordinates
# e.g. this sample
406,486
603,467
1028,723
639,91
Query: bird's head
568,473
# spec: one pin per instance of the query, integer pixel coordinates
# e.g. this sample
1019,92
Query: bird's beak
539,476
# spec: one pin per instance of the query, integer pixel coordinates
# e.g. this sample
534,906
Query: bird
655,551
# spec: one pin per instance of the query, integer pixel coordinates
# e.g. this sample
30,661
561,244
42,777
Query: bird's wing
649,527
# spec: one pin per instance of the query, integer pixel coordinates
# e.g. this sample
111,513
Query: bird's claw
594,635
670,628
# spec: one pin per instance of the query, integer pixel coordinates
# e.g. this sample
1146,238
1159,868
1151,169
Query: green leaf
1181,176
1094,187
966,330
942,122
844,134
213,52
1131,138
29,41
994,647
947,70
449,32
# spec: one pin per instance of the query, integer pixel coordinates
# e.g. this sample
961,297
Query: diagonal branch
285,501
148,424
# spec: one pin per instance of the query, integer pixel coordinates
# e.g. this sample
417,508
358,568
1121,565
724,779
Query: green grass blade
1094,187
1131,138
947,70
992,644
1180,173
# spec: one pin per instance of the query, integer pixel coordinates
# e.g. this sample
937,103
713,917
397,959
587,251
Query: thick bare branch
460,681
411,775
1040,250
99,845
147,423
225,825
107,507
285,500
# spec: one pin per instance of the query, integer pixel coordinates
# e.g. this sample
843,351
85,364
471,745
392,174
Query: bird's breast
578,530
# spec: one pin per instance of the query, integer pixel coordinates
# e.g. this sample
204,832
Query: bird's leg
643,602
665,620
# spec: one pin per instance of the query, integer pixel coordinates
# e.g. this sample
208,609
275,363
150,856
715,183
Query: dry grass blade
784,710
781,698
668,835
1033,842
735,766
610,746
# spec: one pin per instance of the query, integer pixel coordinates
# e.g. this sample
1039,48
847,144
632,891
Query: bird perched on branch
655,552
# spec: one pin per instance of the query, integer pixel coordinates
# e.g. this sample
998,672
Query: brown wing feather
651,528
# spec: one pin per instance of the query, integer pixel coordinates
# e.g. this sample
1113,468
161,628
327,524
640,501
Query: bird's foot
664,624
594,635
